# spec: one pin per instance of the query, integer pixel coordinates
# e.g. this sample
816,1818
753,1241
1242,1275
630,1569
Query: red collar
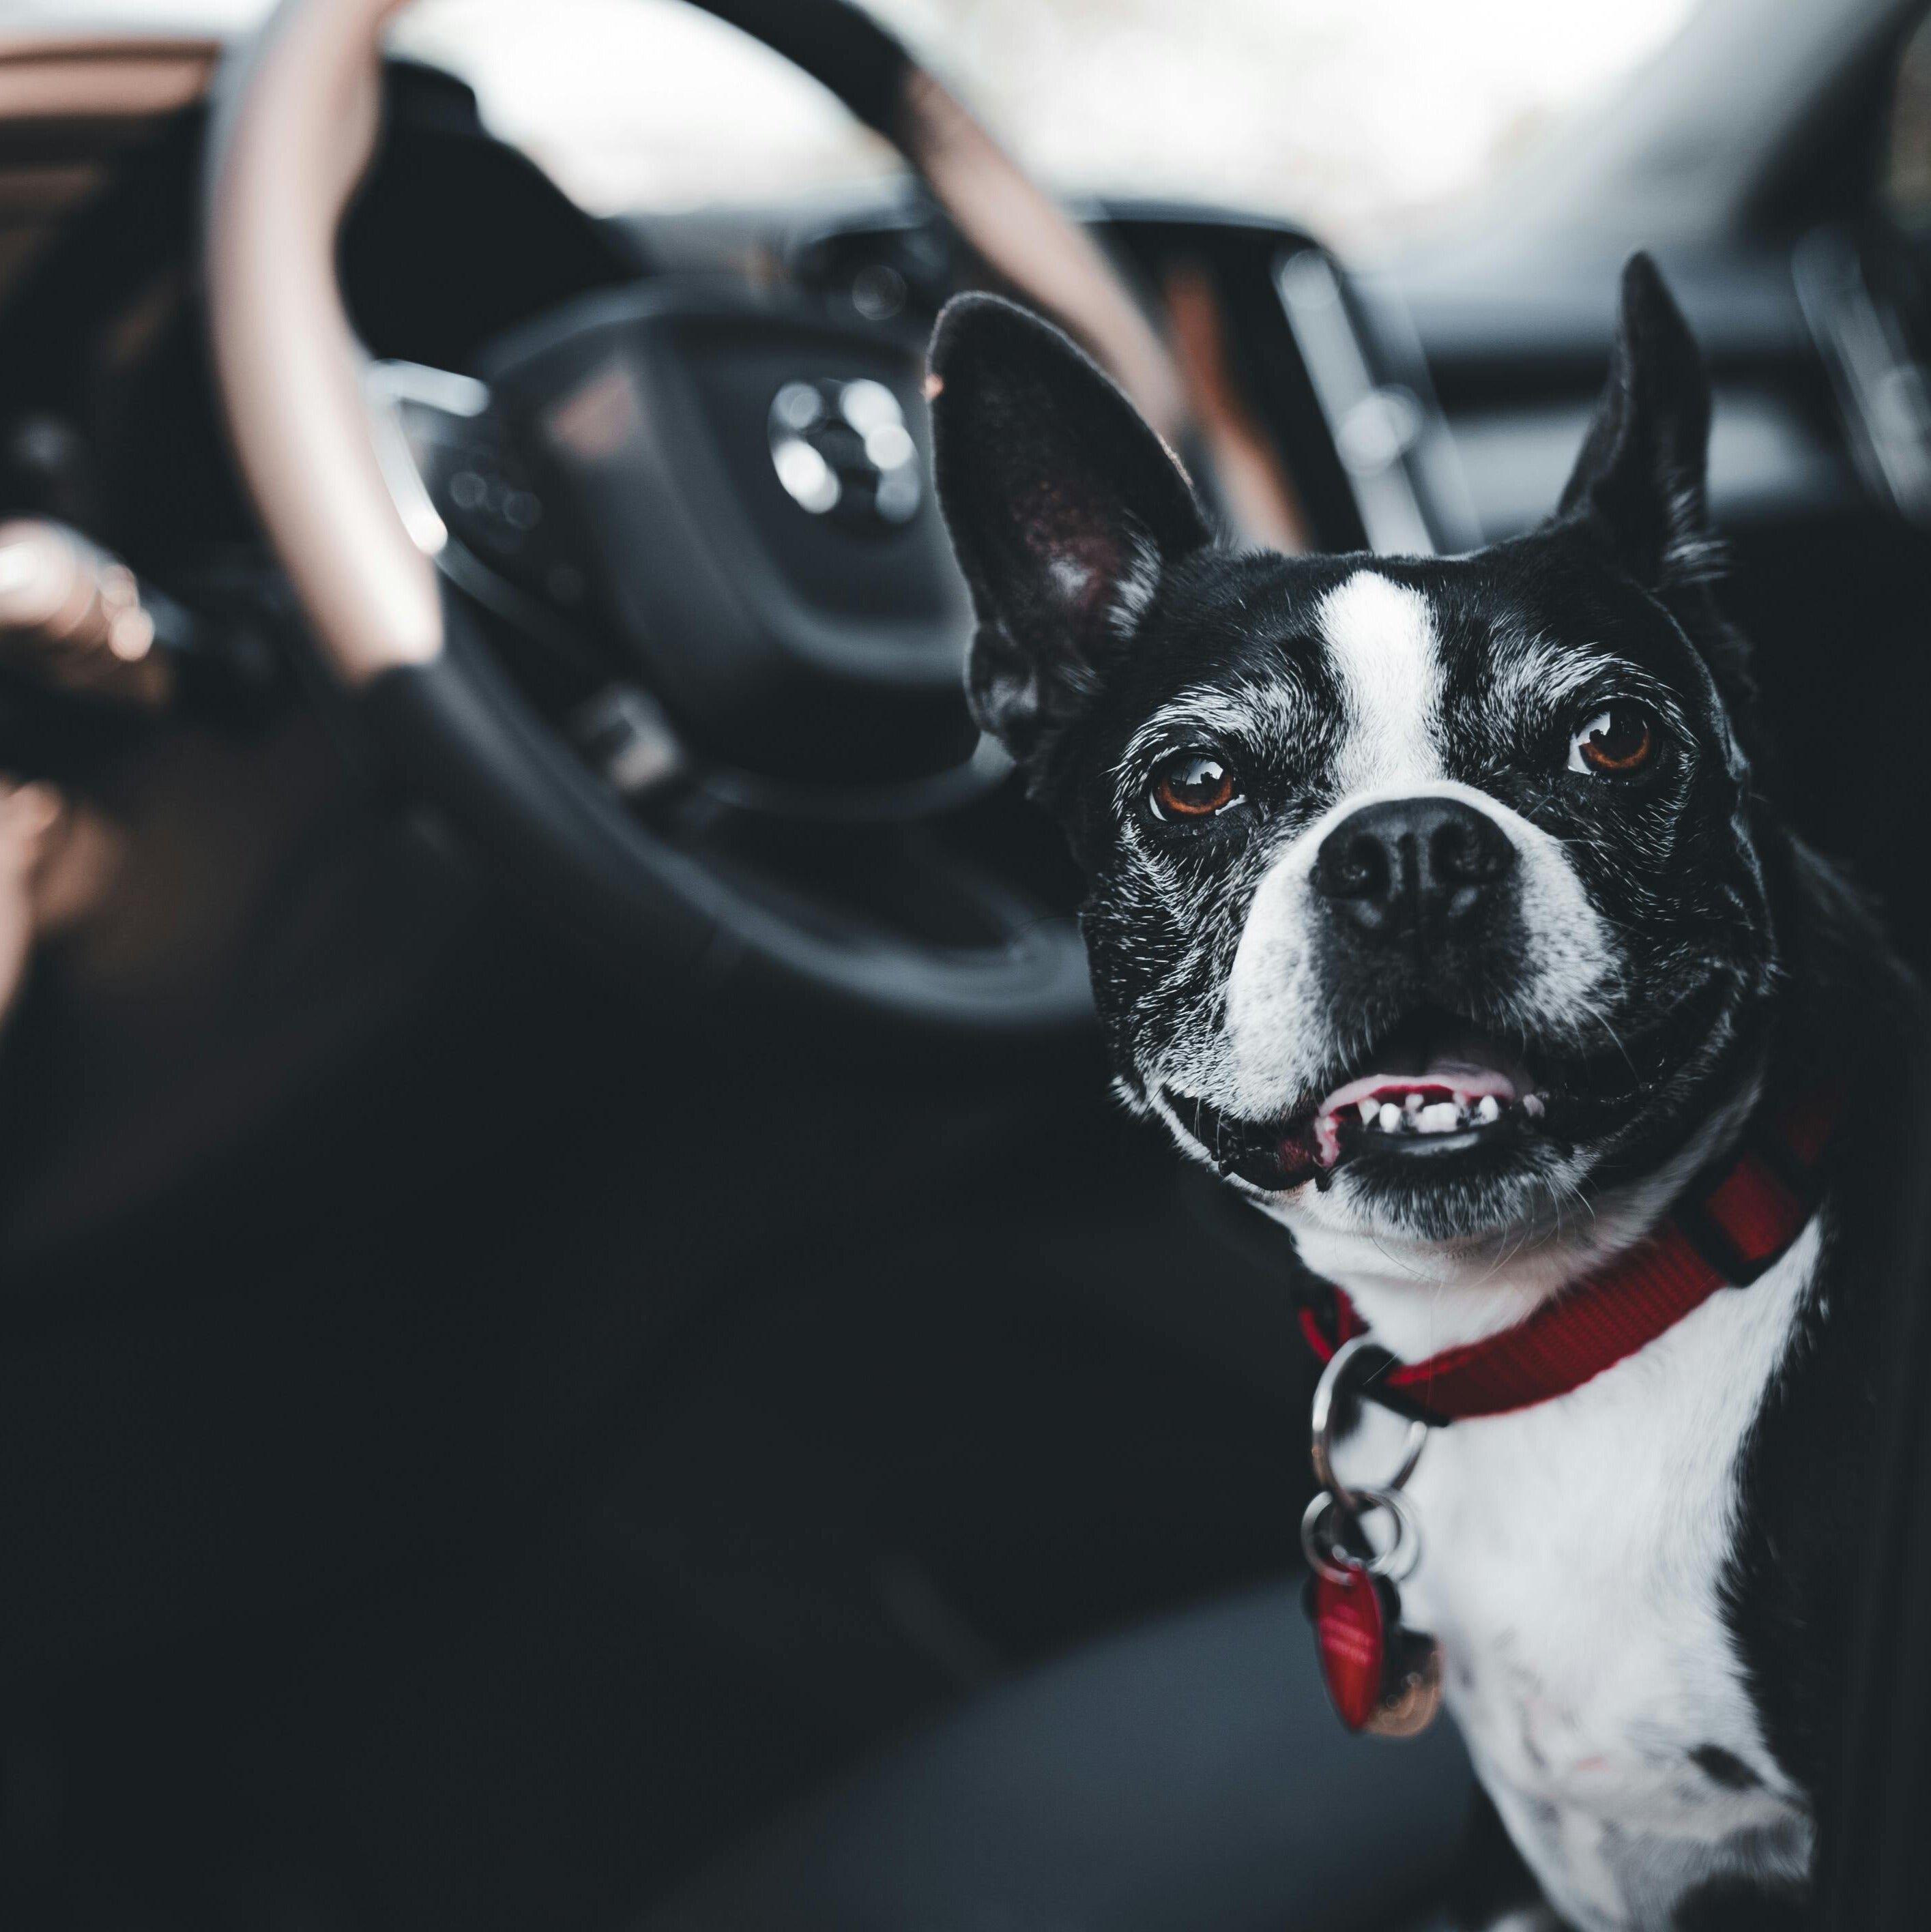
1724,1236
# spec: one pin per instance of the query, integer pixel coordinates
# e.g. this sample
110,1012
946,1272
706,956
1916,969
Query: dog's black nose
1411,869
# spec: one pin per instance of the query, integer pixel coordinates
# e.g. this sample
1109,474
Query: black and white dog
1437,904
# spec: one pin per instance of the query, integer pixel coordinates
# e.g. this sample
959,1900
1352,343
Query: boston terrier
1439,904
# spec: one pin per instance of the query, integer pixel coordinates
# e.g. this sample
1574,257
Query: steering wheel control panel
843,450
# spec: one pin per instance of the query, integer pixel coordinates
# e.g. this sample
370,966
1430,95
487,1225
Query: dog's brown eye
1619,740
1195,784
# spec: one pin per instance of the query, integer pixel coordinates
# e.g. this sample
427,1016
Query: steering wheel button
898,498
797,406
868,405
812,482
889,445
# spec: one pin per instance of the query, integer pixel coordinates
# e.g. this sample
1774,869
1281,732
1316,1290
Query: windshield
1367,120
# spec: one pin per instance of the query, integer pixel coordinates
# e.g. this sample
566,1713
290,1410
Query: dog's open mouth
1432,1089
1436,1097
1463,1089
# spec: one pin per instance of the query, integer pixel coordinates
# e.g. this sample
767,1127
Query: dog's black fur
1739,964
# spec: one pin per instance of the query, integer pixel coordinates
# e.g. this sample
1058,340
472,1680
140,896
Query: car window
1369,120
1366,118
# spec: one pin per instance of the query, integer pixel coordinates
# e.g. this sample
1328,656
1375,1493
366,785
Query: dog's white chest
1572,1558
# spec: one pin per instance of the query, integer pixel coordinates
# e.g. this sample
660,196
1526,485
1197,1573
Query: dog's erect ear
1064,508
1639,482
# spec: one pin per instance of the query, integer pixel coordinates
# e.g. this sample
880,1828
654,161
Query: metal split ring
1395,1563
1326,1390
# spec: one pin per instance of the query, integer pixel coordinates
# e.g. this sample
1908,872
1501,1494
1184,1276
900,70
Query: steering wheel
741,476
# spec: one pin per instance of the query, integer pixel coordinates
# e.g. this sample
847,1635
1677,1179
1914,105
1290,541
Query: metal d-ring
1322,1421
1396,1563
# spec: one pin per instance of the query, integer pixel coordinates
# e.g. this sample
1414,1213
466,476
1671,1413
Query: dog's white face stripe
1383,645
1381,641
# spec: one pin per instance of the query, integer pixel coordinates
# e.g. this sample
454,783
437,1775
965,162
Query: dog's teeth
1414,1113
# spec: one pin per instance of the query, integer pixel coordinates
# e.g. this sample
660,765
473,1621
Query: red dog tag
1351,1628
1381,1676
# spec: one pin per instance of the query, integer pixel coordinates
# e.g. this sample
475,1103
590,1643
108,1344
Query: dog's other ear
1639,483
1063,507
